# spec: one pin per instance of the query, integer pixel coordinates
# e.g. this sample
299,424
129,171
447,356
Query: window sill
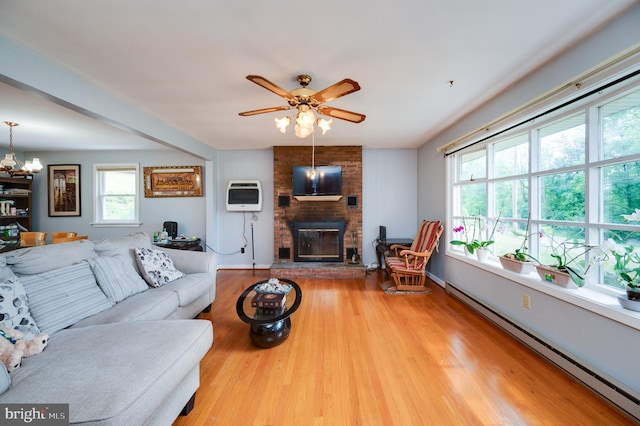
116,224
599,302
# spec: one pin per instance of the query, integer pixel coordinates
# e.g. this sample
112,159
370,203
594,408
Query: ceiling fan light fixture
302,131
282,123
325,125
305,118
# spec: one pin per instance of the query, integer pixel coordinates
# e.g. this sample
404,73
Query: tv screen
326,181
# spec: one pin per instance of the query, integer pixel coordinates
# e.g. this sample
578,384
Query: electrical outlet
526,301
241,249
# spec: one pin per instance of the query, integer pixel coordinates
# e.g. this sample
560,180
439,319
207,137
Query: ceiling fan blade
261,81
339,89
264,110
342,114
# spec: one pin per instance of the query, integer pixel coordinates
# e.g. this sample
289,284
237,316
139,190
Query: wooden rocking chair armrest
398,247
415,253
411,257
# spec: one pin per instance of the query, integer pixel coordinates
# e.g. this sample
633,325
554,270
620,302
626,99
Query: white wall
189,212
234,228
389,196
605,344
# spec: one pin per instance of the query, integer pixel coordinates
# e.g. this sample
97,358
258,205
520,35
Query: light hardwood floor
357,356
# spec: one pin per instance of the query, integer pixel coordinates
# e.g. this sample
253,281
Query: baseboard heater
606,387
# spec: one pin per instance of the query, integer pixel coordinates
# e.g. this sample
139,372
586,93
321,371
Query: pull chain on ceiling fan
306,101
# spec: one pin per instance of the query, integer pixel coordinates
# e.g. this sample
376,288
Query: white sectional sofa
121,352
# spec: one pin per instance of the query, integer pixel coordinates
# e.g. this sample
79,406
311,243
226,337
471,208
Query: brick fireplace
288,210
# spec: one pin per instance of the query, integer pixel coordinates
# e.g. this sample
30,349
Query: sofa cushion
124,245
35,260
145,306
64,296
113,387
156,267
189,288
5,379
116,277
14,309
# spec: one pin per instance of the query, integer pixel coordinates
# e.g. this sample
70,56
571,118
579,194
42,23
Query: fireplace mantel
318,197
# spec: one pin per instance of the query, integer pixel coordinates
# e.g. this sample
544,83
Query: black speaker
284,253
352,201
172,228
382,236
284,200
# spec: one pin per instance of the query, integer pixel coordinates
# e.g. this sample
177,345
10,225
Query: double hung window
116,195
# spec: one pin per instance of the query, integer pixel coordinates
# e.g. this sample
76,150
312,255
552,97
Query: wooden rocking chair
407,265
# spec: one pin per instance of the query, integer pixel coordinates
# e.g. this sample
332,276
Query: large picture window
572,176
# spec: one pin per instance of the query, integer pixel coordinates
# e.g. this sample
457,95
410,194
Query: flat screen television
326,181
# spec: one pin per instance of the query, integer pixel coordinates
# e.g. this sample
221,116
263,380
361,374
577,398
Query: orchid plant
521,254
476,241
627,260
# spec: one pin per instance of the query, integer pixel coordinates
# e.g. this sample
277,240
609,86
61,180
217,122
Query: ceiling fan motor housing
304,80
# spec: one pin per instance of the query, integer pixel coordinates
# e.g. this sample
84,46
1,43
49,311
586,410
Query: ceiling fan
307,100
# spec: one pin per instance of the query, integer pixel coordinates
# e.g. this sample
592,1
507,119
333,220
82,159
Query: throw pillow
36,260
5,379
124,245
64,296
14,309
156,267
116,277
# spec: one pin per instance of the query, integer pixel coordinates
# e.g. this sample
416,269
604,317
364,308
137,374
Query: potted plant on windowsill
520,261
563,272
477,244
627,267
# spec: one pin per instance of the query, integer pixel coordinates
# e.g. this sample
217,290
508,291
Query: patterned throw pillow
156,267
14,309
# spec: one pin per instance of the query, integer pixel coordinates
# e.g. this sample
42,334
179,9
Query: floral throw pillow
14,309
156,267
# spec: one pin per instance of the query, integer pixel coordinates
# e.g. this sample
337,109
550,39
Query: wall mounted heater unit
244,196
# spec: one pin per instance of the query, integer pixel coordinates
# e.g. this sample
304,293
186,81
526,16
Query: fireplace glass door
319,242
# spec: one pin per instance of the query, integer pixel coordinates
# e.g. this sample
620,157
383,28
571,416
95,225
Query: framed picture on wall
179,181
64,189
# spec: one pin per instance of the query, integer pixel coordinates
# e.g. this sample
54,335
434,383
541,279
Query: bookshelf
16,194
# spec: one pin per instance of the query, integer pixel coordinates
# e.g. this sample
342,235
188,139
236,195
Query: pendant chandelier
10,160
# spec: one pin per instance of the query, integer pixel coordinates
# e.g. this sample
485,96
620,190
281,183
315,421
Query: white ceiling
185,63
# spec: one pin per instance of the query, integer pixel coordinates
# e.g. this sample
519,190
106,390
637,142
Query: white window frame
593,296
98,168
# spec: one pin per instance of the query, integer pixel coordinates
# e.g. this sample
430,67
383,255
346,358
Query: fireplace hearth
318,241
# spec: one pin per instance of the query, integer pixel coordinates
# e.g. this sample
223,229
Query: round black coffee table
268,329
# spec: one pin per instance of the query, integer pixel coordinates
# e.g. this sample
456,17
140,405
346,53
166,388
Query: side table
267,331
192,244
